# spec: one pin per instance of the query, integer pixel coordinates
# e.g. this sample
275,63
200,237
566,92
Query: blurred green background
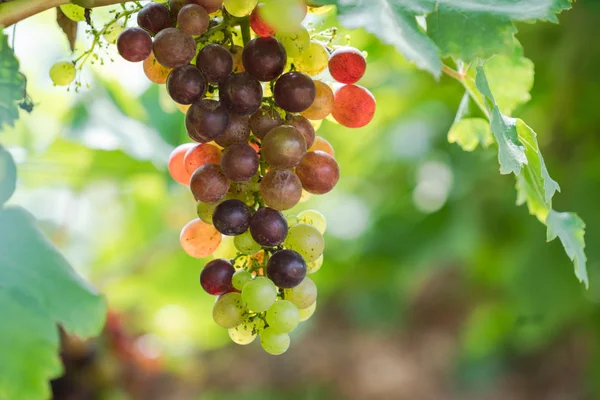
435,284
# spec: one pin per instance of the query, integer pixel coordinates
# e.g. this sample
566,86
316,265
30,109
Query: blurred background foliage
435,284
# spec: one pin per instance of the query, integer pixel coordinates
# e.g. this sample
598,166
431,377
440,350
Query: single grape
353,106
134,44
323,145
258,25
208,183
232,217
199,239
73,12
154,17
176,164
215,277
268,227
294,91
238,64
281,189
241,277
283,316
273,342
239,162
304,126
284,15
314,60
314,266
347,65
206,120
286,268
228,311
200,154
237,131
205,211
314,218
176,5
239,8
262,121
193,19
306,313
173,48
215,62
303,295
283,147
323,103
62,73
306,240
296,42
154,71
245,244
186,84
246,332
259,294
318,172
210,6
264,58
226,249
241,93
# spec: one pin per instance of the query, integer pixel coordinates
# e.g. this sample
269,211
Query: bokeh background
435,284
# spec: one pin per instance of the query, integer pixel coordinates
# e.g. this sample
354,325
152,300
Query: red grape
172,47
304,126
241,93
206,119
215,62
262,121
154,17
208,184
200,154
281,189
354,106
268,227
186,84
193,19
215,277
286,268
347,65
232,217
294,91
318,172
264,58
283,147
134,44
239,162
176,164
258,25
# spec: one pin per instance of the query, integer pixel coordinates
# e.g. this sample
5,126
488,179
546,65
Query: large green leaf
510,78
570,229
470,132
12,84
38,289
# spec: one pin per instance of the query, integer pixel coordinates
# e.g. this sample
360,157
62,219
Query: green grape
314,60
283,316
240,8
314,218
245,244
306,313
292,220
259,294
240,278
62,73
283,15
112,32
226,248
73,12
314,266
228,311
274,342
205,211
306,240
303,295
294,42
246,332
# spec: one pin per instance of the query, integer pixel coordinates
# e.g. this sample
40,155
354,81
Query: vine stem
469,84
17,10
245,28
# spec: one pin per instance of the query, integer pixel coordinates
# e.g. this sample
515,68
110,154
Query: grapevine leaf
516,10
38,290
570,229
510,79
8,175
12,84
470,132
68,26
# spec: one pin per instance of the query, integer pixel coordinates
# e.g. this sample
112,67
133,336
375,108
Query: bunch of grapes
251,112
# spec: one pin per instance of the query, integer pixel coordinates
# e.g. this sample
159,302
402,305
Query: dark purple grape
215,277
173,48
215,62
237,131
239,162
241,93
264,58
232,217
268,227
186,84
294,91
154,17
286,268
208,184
205,120
193,19
265,119
134,44
304,126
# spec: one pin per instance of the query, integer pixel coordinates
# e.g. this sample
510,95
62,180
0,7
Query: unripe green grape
226,248
314,60
73,12
294,42
245,243
306,240
306,313
314,218
273,342
303,295
205,211
246,332
292,220
314,266
62,73
240,278
259,294
240,8
228,311
112,32
283,316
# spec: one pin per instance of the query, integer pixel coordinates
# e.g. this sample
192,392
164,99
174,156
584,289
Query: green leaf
570,229
470,132
38,290
510,79
12,84
8,175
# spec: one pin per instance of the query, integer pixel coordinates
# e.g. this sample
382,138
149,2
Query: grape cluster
251,112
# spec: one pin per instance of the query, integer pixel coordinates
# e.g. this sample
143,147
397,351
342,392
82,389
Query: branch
17,10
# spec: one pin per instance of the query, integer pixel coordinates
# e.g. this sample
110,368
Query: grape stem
245,28
469,84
